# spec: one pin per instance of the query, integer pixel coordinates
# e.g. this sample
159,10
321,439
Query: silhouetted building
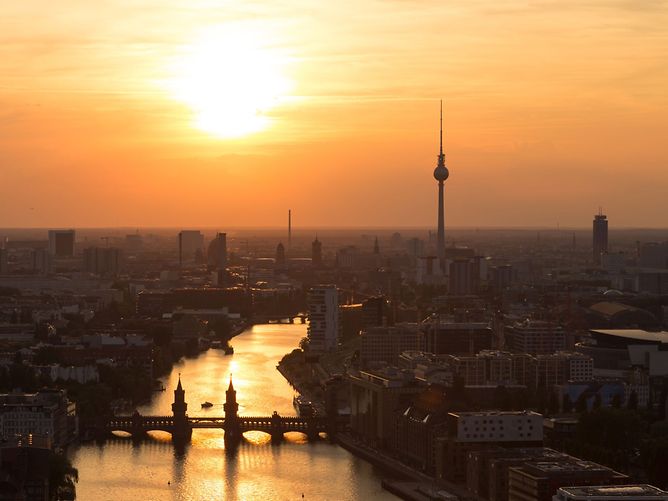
316,252
61,243
463,277
653,255
4,262
323,309
443,337
600,236
102,260
46,413
217,252
540,480
40,261
387,343
280,255
535,337
469,431
190,243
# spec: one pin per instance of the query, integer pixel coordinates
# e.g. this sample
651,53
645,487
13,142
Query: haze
551,109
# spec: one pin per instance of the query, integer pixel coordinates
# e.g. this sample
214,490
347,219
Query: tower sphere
441,173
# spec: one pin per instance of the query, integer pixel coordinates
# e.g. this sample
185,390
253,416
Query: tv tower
441,173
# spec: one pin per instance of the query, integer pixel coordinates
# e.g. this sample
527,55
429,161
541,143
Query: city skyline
549,112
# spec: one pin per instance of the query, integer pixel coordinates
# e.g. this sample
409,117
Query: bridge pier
276,429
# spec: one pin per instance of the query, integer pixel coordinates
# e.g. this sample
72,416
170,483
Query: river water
153,469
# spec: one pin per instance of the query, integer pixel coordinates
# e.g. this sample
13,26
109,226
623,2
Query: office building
469,431
323,308
385,344
540,480
217,252
4,261
40,261
467,338
105,261
191,244
61,243
47,413
536,337
600,236
280,256
316,253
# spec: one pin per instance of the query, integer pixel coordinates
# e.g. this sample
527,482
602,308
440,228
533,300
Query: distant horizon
224,229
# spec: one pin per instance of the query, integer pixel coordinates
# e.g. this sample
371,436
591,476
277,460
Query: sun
231,78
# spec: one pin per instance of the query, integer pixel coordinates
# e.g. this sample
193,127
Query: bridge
280,319
180,425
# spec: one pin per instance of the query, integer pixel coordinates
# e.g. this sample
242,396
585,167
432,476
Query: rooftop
635,490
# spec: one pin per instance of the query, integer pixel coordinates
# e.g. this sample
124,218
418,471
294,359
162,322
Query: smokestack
289,228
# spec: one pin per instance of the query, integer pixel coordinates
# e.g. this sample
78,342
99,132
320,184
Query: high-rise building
280,255
102,260
316,252
323,314
190,242
4,262
41,261
600,236
61,243
217,252
441,173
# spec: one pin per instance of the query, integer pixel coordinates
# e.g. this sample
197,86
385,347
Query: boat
206,405
229,350
303,407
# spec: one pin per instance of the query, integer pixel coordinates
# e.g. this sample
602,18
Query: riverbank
406,482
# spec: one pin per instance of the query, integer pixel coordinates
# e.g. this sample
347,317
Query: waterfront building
24,469
61,243
636,492
487,469
323,327
419,425
540,480
468,431
376,397
46,413
600,236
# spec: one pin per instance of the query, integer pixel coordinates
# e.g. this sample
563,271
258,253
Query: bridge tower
182,430
231,425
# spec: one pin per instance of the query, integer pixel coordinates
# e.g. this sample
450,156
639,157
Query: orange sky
552,108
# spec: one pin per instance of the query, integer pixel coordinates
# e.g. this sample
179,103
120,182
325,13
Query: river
120,470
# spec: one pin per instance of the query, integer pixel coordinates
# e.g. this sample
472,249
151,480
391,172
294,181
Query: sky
228,113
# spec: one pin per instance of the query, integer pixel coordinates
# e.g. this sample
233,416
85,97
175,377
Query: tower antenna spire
441,130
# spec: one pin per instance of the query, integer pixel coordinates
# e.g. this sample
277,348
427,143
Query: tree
597,401
633,401
616,401
62,478
552,403
581,403
567,404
